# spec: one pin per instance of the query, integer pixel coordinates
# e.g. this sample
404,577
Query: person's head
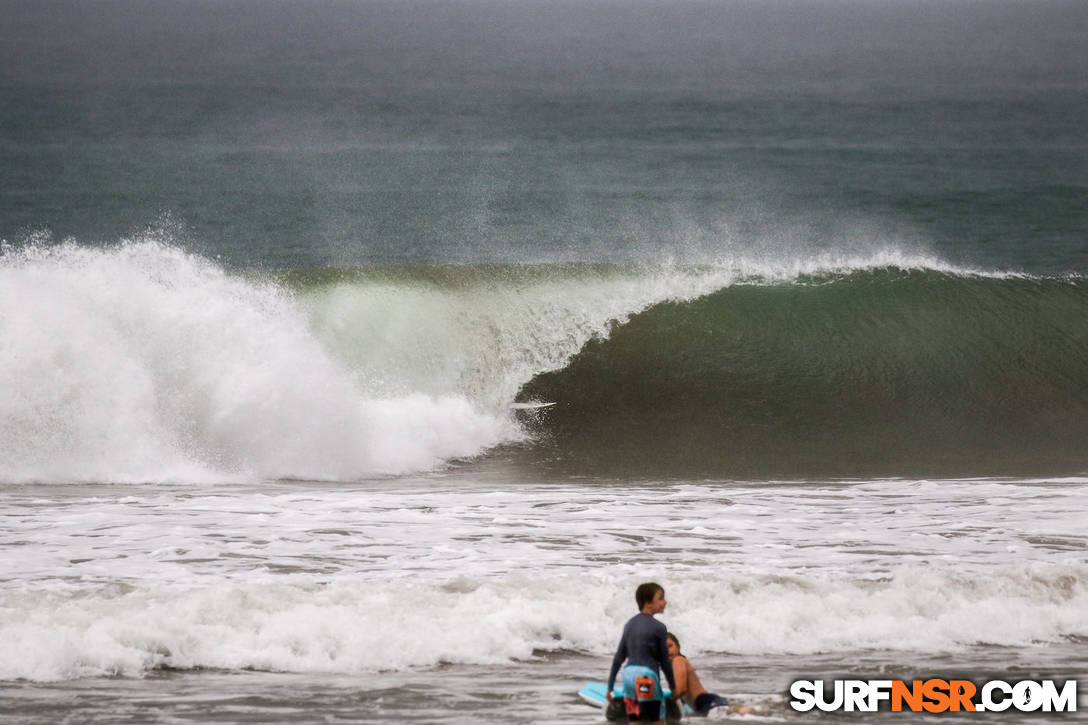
650,598
673,645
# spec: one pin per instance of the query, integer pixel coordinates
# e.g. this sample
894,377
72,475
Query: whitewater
379,581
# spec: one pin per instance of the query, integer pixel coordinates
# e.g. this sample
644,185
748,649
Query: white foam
359,626
143,363
413,573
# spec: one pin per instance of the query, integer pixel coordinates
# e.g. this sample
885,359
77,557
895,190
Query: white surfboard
530,406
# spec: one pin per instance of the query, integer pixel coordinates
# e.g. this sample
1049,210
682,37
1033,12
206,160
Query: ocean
359,358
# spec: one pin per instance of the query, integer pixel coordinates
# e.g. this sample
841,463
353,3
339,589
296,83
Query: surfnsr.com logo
934,695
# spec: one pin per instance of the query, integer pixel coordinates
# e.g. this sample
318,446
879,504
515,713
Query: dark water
884,372
287,133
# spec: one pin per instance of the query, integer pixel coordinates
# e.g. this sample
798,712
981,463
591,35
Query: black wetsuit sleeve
666,661
618,658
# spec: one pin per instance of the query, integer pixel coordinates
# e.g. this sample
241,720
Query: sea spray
143,362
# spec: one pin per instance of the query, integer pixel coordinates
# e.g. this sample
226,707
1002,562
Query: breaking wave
331,627
141,362
885,371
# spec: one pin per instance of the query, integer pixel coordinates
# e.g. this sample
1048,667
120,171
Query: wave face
884,371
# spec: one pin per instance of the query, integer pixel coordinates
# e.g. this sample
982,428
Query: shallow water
482,599
541,690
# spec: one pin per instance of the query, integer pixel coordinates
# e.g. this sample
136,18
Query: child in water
690,689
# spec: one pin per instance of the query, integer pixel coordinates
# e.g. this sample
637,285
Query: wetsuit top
643,643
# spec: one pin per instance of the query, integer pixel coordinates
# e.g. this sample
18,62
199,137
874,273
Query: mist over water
285,134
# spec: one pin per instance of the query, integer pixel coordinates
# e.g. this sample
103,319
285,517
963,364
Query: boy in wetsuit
644,648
